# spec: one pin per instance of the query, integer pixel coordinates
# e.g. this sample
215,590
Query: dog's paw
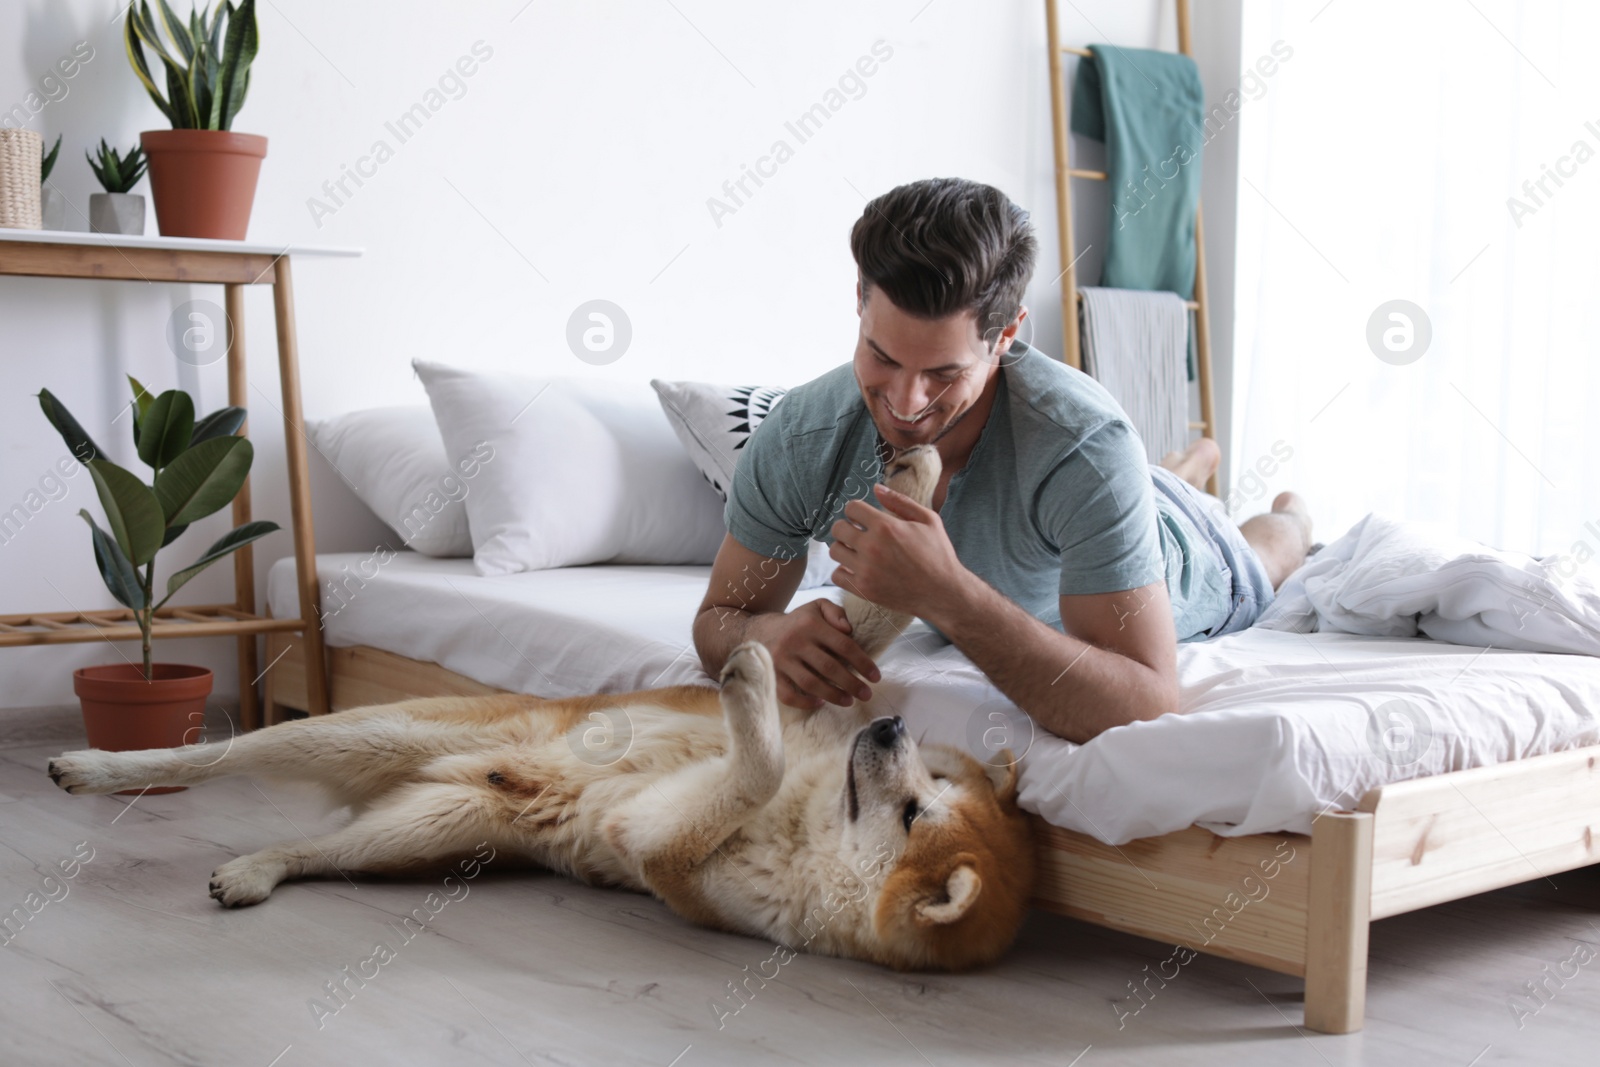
914,472
244,881
750,704
87,772
749,672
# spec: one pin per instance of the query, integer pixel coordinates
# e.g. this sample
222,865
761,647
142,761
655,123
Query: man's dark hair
943,246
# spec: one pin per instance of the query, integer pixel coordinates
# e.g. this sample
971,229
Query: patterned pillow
714,422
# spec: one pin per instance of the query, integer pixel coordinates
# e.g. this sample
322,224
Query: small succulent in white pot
116,210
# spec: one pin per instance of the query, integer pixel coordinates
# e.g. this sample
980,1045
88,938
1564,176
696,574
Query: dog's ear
1002,771
953,899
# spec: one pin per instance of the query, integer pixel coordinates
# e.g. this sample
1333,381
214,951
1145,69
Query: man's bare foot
1281,537
1294,505
1195,464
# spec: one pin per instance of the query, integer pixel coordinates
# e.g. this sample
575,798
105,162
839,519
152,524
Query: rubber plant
198,468
207,68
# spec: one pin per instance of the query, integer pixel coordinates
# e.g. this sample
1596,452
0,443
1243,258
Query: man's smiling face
921,377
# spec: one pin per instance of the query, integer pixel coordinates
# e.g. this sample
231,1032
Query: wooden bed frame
1290,903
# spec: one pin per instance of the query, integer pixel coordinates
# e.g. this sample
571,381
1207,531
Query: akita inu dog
831,832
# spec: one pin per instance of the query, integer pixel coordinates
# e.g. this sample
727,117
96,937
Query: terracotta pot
122,711
203,181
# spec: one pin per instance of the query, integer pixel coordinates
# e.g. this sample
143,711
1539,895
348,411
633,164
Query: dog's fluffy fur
832,831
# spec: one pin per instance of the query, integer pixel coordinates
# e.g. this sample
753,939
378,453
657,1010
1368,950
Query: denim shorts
1215,580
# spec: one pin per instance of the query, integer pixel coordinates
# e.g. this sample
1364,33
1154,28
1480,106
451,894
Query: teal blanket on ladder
1149,110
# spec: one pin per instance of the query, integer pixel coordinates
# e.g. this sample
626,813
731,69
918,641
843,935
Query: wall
576,162
1216,47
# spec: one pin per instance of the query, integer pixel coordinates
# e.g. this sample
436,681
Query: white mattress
1274,726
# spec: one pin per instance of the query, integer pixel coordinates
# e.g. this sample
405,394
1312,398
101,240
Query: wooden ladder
1065,172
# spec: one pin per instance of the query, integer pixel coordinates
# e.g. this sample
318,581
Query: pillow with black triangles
713,422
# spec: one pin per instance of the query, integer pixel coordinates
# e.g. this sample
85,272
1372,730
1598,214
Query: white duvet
1275,725
1398,579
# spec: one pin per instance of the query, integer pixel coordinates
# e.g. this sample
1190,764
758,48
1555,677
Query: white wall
1216,48
576,164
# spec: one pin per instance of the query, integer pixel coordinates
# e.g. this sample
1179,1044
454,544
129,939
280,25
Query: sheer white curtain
1376,165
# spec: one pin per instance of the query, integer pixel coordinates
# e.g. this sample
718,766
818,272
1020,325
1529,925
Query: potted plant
116,210
52,205
21,155
198,468
202,175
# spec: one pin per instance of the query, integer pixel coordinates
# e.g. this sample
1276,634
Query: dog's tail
914,472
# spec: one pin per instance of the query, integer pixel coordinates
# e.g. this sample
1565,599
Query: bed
1270,823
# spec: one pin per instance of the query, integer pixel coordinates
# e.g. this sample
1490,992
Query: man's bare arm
815,658
1115,664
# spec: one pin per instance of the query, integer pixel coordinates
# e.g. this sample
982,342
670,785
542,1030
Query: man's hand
900,558
814,654
816,658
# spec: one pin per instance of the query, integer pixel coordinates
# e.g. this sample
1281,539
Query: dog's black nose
887,731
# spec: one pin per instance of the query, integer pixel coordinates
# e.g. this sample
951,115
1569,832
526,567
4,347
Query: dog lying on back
832,831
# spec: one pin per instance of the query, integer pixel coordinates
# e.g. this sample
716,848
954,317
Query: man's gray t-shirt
1055,499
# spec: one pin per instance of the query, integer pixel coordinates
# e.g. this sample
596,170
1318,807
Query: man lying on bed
1060,561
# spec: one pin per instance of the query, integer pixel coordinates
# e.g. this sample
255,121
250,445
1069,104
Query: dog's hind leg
668,829
356,754
419,826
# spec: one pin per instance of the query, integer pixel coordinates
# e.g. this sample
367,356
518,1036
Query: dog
831,832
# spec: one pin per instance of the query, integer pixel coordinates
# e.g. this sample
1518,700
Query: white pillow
713,422
585,471
395,461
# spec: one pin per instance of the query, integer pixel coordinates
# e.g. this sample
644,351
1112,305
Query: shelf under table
69,627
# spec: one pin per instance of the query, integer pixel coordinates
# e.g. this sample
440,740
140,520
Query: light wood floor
135,966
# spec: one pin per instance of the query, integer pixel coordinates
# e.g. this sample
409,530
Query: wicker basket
21,152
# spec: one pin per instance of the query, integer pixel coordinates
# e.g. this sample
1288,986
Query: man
1060,561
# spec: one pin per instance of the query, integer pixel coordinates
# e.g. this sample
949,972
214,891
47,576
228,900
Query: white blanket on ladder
1390,578
1136,344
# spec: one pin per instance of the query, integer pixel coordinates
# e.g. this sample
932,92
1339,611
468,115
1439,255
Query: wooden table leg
244,570
294,444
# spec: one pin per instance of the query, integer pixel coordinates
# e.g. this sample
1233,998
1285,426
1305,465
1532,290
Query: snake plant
117,174
207,67
48,162
199,467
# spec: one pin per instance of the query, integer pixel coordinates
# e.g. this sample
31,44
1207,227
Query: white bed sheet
1275,726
